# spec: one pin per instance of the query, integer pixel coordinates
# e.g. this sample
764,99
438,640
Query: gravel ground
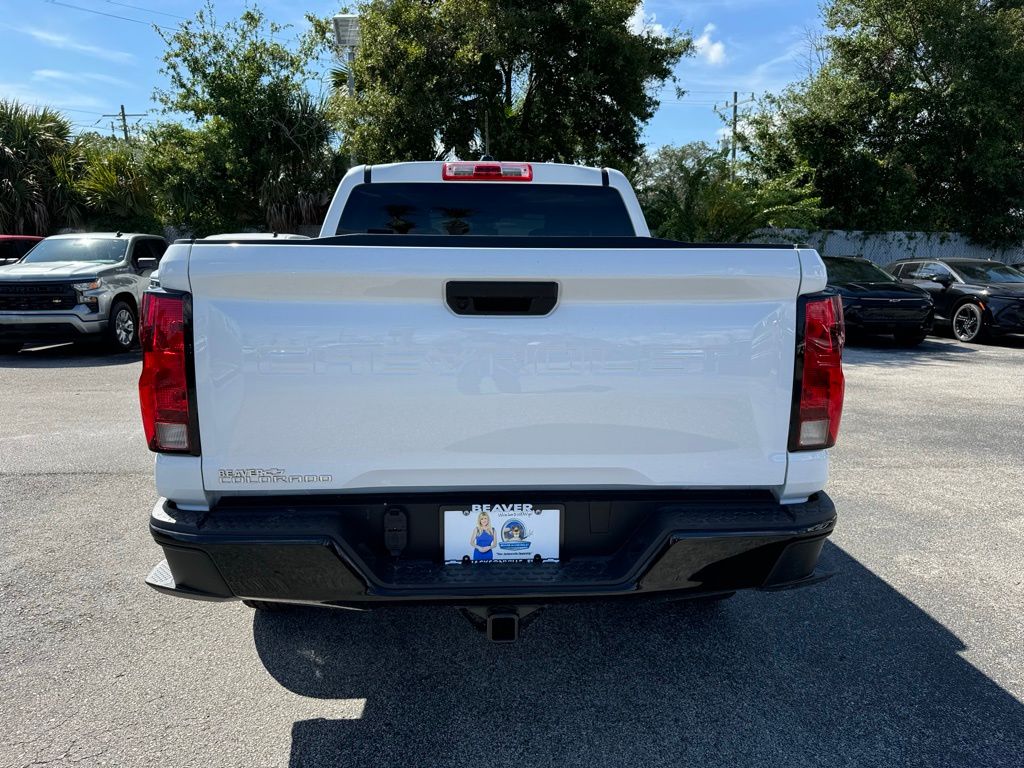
912,655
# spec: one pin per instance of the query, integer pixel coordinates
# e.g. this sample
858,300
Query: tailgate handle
501,297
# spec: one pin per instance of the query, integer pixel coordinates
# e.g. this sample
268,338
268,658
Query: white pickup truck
486,385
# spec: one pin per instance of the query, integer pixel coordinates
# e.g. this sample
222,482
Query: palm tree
113,184
39,160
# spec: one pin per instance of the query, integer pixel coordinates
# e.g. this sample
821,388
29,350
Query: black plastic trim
501,297
305,550
604,178
367,174
483,241
195,448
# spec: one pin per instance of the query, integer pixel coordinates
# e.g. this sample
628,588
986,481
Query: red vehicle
13,247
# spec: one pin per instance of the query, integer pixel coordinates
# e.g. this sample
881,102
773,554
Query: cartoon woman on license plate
483,540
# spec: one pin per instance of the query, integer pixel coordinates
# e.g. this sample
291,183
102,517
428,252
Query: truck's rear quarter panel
342,367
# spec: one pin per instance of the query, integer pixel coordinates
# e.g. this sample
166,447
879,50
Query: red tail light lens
817,413
163,386
487,171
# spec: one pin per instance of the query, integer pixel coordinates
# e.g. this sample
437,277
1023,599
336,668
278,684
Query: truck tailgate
324,367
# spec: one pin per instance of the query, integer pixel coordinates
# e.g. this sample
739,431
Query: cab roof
102,236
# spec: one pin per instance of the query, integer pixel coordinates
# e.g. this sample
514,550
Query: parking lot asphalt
912,655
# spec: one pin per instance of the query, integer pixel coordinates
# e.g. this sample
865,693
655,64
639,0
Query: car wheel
266,606
968,322
910,338
123,327
9,349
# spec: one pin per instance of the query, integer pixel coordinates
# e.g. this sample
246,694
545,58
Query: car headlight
90,286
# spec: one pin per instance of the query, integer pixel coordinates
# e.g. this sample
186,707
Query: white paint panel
658,367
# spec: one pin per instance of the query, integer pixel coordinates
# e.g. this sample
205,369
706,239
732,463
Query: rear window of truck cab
498,209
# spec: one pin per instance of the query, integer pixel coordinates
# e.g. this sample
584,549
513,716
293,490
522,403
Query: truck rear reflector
163,386
487,171
818,399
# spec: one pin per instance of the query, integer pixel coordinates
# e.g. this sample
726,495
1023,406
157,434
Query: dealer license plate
495,533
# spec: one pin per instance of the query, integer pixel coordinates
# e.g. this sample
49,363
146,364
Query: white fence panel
886,247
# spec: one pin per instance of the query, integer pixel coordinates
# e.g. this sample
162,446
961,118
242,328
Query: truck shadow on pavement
68,356
846,673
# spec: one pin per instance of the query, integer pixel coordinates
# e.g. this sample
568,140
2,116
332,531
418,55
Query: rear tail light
818,399
487,171
163,386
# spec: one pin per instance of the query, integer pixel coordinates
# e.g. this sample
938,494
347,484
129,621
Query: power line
59,108
110,15
735,121
147,10
124,119
697,90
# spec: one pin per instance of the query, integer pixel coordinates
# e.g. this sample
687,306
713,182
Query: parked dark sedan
973,297
875,302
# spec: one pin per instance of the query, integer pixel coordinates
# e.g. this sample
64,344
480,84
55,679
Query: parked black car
875,302
974,297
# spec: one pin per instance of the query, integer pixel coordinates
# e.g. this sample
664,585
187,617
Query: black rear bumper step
314,551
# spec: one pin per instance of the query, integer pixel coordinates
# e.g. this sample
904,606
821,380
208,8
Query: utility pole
124,120
735,105
735,124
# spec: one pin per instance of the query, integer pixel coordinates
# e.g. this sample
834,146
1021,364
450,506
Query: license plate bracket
501,533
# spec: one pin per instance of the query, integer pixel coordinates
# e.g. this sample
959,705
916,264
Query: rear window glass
855,271
989,273
479,208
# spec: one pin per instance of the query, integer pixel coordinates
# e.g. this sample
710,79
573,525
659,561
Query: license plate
495,533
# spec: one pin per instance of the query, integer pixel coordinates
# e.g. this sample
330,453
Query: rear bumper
614,546
875,321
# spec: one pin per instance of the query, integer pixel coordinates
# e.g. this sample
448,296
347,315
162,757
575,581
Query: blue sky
88,63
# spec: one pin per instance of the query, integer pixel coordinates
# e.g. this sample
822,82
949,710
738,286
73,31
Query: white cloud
641,22
67,43
80,78
771,75
34,95
712,51
793,51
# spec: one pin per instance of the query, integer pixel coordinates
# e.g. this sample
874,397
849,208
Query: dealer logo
515,536
267,476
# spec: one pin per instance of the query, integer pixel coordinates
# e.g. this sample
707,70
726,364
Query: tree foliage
568,81
693,193
913,121
114,187
259,135
39,160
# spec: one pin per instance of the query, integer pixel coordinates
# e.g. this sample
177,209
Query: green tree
568,81
194,177
113,185
693,193
39,160
260,137
913,121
